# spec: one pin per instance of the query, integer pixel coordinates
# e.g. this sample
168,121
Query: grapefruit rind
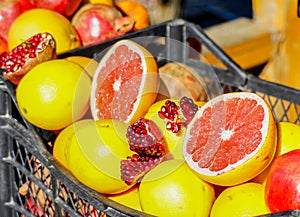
94,153
148,87
63,138
253,163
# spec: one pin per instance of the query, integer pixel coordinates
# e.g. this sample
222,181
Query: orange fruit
173,189
246,199
54,94
231,139
40,20
94,153
137,11
90,65
125,84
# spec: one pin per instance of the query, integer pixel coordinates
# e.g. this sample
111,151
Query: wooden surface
245,41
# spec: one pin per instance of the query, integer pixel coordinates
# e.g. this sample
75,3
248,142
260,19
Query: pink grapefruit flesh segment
125,84
229,135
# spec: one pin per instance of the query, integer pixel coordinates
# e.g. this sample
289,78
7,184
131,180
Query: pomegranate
64,7
96,23
147,141
26,4
9,11
282,191
39,48
178,116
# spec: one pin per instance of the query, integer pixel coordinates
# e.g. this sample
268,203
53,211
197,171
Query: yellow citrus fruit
90,65
129,198
54,94
107,2
246,199
40,20
94,154
288,139
231,139
173,189
125,84
63,138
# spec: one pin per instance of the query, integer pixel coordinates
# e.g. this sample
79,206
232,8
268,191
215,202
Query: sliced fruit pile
119,135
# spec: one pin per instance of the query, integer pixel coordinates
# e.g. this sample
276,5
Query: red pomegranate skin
9,11
64,7
26,4
282,191
96,23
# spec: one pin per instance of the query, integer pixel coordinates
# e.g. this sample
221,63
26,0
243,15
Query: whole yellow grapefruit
40,20
63,138
173,189
94,154
247,199
90,65
129,198
54,94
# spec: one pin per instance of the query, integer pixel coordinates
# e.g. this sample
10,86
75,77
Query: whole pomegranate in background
26,4
9,11
64,7
282,191
99,22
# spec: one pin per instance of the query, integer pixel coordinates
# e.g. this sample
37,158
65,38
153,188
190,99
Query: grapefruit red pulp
231,139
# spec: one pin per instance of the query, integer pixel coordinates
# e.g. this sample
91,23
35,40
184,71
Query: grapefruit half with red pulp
231,139
125,84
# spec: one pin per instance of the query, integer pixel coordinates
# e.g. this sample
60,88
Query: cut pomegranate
145,138
3,58
188,109
178,116
35,50
148,142
135,167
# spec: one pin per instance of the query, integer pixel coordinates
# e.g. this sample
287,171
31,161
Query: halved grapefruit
231,139
125,84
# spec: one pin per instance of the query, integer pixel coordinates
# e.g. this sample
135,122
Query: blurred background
207,13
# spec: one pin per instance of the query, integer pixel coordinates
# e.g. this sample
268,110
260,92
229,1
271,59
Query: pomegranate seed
24,56
147,141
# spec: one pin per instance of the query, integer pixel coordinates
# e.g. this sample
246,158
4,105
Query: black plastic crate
29,173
